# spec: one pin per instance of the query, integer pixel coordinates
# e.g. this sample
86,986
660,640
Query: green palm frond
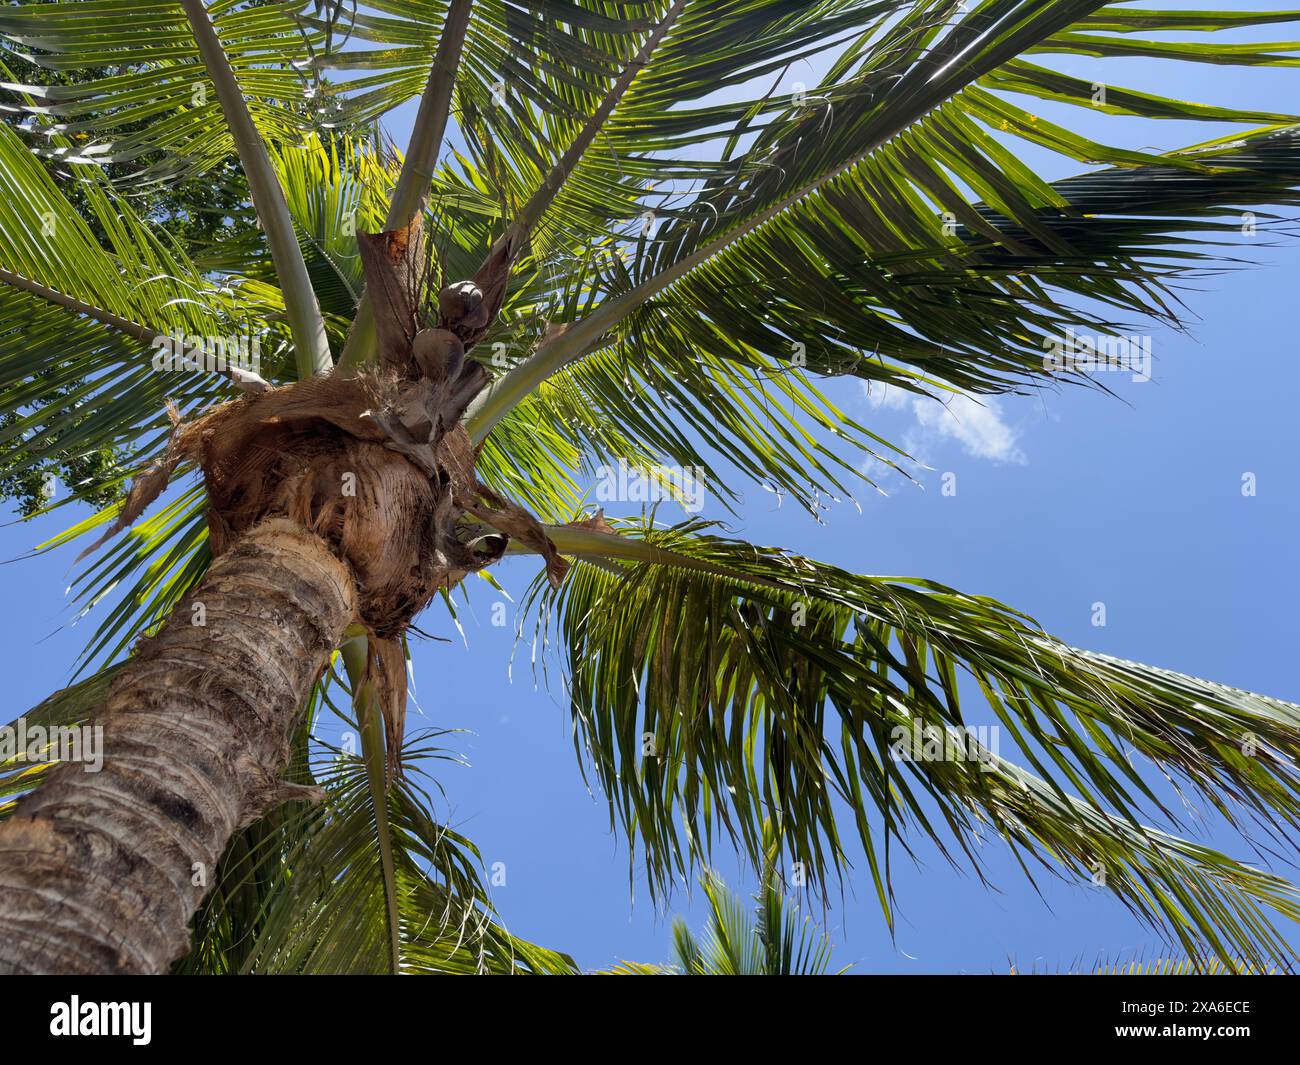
637,968
81,312
138,579
66,707
764,937
895,236
153,102
302,890
1158,966
305,890
675,103
334,188
324,910
896,300
715,684
834,233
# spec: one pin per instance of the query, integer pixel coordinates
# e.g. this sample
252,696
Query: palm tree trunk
101,872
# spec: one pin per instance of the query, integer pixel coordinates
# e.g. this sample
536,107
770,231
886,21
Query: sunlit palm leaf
715,684
154,103
303,891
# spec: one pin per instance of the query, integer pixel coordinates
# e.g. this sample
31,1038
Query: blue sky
1064,500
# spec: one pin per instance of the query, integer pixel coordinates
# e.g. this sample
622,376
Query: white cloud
974,423
891,397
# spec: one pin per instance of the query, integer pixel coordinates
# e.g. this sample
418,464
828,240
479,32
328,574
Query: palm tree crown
617,239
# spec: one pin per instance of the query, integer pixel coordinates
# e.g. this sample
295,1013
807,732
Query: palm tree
638,251
765,939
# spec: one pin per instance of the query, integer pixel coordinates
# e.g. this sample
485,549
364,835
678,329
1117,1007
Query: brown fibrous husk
377,465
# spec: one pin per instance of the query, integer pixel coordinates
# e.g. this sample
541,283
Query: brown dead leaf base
378,465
